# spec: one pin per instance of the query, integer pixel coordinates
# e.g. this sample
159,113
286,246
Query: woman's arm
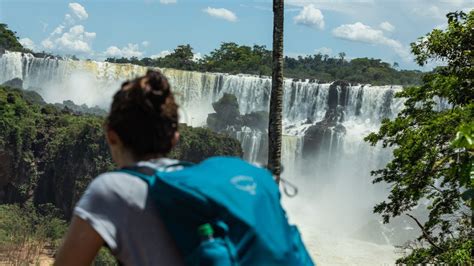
81,245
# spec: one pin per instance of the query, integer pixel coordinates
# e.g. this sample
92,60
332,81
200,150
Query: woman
141,129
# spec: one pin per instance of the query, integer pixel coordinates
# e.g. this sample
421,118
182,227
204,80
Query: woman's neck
127,159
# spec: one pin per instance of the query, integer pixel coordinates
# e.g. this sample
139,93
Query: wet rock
257,120
33,97
386,110
226,113
250,129
16,83
338,92
323,135
318,137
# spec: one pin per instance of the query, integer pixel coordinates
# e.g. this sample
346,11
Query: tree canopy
432,141
257,60
9,40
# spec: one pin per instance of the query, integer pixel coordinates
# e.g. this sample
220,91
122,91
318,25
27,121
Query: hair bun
156,86
144,114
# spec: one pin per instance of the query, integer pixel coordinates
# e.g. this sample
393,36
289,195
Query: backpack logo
245,183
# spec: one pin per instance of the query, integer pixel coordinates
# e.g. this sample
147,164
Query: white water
336,194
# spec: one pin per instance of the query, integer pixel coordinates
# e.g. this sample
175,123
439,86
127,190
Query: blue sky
100,28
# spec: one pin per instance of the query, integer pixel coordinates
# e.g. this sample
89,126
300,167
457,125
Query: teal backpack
224,211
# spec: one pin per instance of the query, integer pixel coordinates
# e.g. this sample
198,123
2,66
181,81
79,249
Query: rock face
250,129
227,115
325,135
50,155
16,83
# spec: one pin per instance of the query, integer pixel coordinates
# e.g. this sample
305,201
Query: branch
425,234
435,188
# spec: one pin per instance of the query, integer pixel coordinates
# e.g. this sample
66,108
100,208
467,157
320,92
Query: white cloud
431,12
70,37
130,50
145,43
344,6
387,26
197,56
437,9
69,20
310,16
221,13
78,11
161,54
76,40
58,30
166,2
358,32
323,50
47,44
27,43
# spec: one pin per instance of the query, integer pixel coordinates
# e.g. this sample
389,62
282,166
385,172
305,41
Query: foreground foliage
31,235
433,148
27,232
48,156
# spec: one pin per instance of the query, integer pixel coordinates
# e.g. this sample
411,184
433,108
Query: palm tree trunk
276,99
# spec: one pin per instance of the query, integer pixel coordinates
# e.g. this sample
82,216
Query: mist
336,196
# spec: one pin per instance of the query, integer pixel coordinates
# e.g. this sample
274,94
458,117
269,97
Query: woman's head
143,119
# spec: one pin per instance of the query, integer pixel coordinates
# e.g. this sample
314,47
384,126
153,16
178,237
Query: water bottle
212,251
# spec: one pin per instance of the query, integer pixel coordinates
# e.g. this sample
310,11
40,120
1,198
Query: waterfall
252,143
305,102
339,116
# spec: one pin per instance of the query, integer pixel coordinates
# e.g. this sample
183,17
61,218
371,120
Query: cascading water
323,148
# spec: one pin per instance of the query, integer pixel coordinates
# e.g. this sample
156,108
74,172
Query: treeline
233,58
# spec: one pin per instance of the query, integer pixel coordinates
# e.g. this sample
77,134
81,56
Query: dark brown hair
144,115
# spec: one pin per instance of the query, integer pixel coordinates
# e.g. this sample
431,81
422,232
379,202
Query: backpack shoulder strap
147,173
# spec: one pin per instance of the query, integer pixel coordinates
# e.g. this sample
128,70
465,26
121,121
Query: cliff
50,154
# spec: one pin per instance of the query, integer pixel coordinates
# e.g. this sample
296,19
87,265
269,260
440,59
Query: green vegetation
48,156
257,60
31,235
9,40
27,232
197,144
233,58
433,148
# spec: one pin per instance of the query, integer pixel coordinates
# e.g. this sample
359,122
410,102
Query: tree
9,40
429,164
276,98
180,58
342,55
